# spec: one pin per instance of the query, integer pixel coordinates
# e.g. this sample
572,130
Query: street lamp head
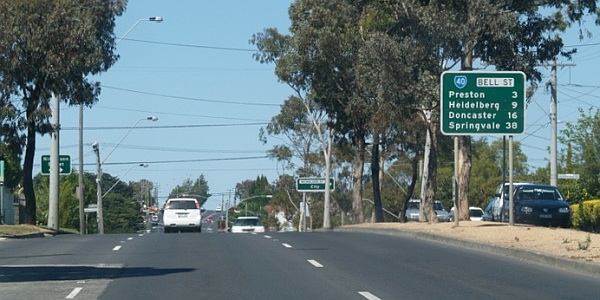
156,19
152,118
144,165
95,146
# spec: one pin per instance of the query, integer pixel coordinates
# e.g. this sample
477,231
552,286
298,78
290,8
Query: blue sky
195,72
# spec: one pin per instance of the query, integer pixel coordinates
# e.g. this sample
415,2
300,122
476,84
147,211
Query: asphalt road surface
292,265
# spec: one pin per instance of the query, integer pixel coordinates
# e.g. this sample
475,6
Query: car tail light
197,205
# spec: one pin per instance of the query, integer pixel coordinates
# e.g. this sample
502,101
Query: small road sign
477,103
313,184
64,164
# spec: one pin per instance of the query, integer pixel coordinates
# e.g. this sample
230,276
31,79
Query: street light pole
96,148
156,19
99,216
80,191
153,119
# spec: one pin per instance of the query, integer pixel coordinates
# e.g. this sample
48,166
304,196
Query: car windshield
475,213
438,206
537,193
413,205
181,204
247,222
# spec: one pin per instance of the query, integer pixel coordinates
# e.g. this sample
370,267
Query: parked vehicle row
535,204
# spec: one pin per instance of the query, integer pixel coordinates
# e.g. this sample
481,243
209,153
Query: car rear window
181,204
248,222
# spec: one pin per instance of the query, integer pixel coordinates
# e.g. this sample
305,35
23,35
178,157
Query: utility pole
54,165
553,121
99,214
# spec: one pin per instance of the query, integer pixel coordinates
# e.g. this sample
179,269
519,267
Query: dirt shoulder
564,243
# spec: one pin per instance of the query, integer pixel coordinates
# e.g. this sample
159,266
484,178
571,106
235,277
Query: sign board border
331,185
522,99
61,156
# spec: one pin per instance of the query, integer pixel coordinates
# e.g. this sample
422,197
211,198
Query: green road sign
313,184
64,164
474,103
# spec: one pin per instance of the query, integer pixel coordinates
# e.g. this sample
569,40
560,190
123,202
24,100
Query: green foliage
197,189
121,214
588,218
49,47
583,138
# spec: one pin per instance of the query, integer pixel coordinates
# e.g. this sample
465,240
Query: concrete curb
37,234
572,265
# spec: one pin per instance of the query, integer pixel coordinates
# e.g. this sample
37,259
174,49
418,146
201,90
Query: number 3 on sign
511,125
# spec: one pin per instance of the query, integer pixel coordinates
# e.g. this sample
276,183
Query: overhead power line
192,45
189,98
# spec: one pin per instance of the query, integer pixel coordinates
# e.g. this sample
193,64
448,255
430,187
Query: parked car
475,213
247,224
412,211
538,204
502,197
492,210
182,214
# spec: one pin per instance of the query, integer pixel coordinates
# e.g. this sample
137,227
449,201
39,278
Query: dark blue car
538,204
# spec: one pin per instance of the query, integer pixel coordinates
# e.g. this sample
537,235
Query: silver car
412,211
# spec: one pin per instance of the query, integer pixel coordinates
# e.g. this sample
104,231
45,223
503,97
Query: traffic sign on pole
482,103
313,184
64,164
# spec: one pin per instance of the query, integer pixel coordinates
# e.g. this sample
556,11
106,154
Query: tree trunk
430,181
30,203
357,178
375,179
464,142
464,176
327,200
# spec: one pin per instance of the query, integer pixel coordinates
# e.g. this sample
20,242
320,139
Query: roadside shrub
586,215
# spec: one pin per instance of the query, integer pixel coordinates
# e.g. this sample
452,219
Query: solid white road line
315,263
369,296
287,245
74,293
116,248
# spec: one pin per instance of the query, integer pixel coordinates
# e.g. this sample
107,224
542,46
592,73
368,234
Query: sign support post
483,103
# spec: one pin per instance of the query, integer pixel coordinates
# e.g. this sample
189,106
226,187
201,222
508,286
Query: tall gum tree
507,35
49,47
319,56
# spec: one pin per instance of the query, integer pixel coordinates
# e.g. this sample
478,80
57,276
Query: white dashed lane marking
116,248
74,293
287,245
315,263
369,296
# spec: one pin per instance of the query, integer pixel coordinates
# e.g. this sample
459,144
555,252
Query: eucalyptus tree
449,34
49,47
315,61
583,137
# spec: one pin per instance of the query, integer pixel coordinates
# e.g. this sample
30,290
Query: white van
501,197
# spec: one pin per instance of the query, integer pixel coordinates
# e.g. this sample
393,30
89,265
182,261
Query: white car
475,213
247,224
182,214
